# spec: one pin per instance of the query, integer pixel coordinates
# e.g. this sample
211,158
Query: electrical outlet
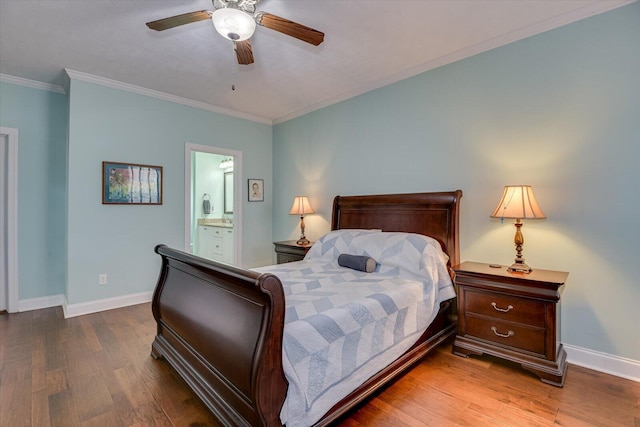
102,279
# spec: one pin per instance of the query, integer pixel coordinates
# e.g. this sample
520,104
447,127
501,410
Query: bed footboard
220,327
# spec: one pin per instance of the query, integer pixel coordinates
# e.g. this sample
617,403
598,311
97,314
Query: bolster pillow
357,262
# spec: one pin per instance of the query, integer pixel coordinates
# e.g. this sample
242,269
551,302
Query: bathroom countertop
215,222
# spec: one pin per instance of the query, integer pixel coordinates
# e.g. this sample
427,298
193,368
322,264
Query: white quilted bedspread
342,325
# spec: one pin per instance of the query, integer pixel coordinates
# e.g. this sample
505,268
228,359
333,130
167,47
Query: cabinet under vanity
216,242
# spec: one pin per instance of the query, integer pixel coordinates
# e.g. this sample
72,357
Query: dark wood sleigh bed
221,327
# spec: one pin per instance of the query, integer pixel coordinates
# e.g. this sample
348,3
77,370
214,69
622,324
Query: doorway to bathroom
213,226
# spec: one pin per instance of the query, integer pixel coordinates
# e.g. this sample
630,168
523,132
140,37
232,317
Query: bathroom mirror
228,192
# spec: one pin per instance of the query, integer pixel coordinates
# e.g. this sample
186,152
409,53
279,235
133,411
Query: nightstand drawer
284,258
509,334
505,307
290,251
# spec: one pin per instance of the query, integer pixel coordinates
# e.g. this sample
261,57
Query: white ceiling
368,44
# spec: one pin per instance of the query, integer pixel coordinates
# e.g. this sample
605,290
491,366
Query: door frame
12,217
237,195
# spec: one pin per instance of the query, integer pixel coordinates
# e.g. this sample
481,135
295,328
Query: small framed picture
256,190
131,184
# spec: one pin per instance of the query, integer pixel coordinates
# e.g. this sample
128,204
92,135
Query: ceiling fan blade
290,28
175,21
243,52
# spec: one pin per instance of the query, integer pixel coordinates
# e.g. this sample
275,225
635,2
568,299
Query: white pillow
336,242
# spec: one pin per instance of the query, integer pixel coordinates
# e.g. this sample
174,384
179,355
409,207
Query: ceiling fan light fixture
233,24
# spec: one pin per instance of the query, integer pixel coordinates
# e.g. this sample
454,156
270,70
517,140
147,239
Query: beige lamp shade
518,202
301,206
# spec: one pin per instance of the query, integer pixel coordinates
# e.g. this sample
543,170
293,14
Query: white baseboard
72,310
603,362
40,303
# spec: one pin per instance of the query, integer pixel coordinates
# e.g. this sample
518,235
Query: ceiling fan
236,20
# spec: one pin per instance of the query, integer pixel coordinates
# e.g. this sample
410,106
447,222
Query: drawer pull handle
507,335
503,310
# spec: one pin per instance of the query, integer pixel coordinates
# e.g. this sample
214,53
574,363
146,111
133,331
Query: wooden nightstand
514,316
289,251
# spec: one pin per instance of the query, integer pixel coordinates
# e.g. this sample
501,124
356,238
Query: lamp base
303,241
519,267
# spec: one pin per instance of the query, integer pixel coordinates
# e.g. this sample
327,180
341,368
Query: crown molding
590,10
31,83
103,81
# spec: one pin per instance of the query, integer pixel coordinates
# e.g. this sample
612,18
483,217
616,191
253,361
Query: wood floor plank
606,399
96,370
62,409
80,359
15,346
177,402
112,347
54,348
125,410
16,371
40,408
15,404
454,383
536,407
477,384
57,380
514,415
442,407
72,330
90,395
140,399
89,335
108,373
38,365
107,419
483,416
573,419
375,414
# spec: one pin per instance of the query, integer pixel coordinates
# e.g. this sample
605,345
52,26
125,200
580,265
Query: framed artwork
131,184
256,190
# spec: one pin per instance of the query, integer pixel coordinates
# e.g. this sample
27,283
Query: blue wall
41,118
558,111
115,125
66,237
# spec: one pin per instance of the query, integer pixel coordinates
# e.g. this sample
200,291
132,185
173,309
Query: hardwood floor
95,370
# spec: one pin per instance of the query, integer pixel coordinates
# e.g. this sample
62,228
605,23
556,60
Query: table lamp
301,207
518,203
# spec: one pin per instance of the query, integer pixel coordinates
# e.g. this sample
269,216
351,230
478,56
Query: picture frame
131,184
256,190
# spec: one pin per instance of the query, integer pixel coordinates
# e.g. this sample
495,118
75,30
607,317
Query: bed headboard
432,214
